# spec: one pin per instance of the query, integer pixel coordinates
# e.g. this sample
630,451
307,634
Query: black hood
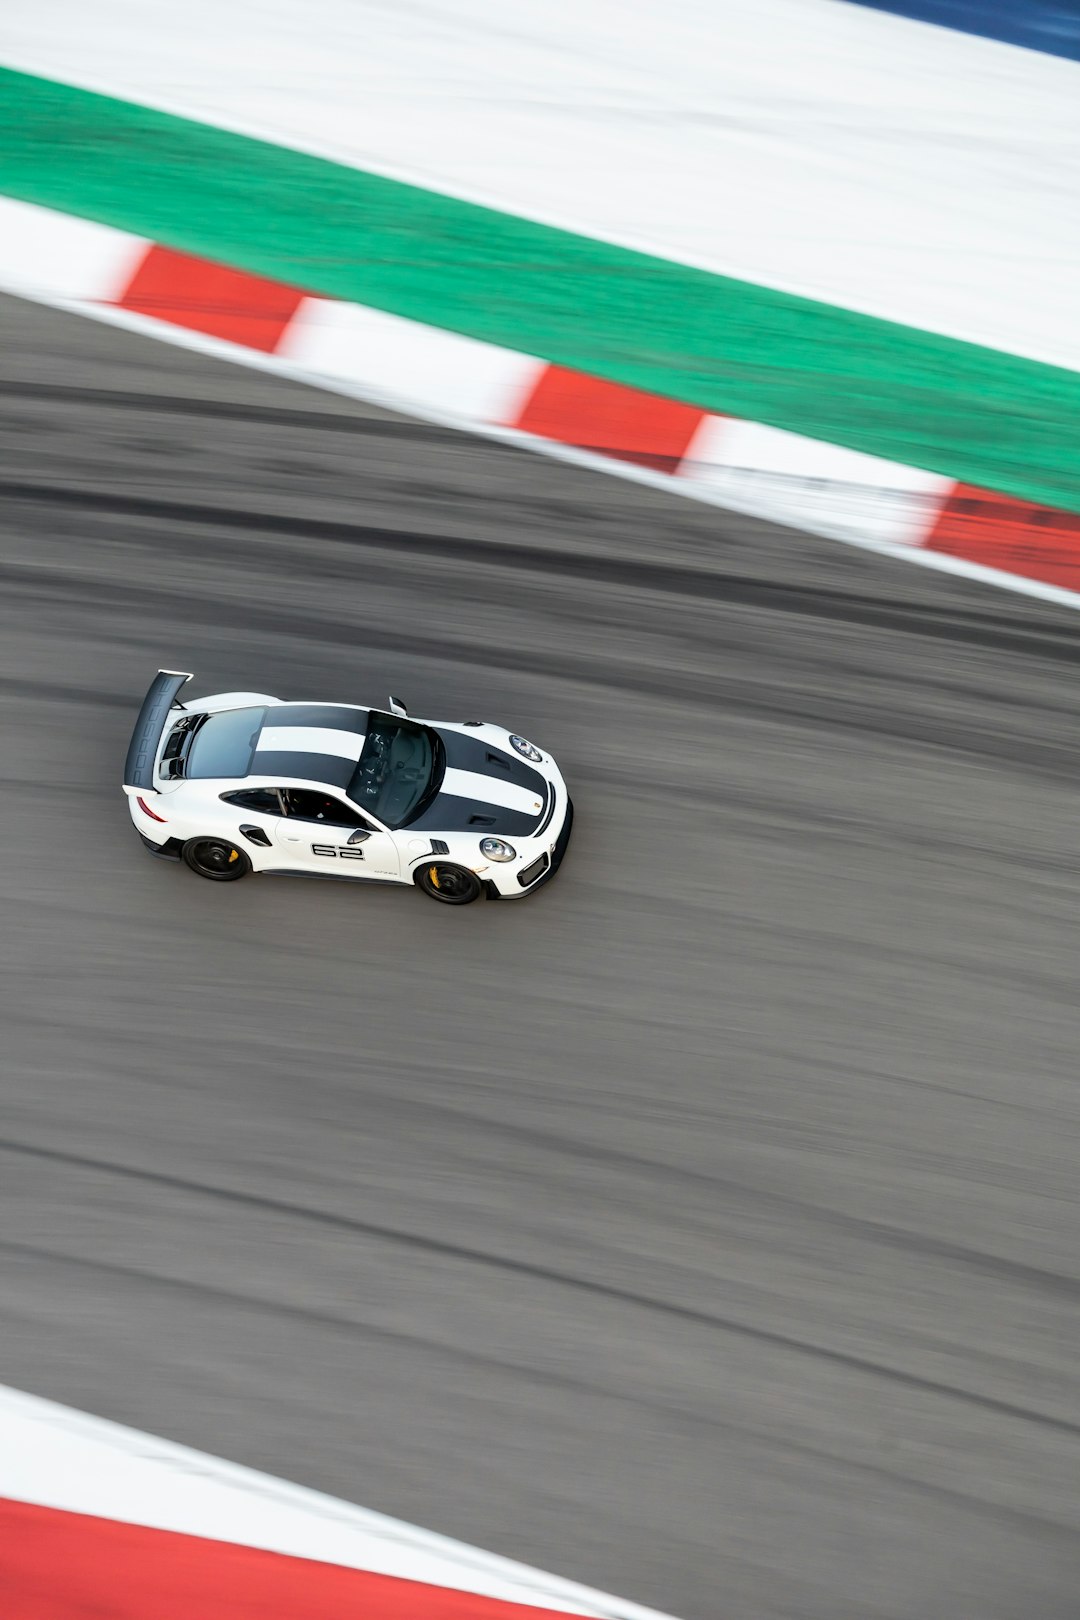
469,808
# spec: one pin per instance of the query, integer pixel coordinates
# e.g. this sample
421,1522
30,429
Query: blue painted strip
1051,26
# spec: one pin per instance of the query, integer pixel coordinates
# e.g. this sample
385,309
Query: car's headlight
527,750
497,849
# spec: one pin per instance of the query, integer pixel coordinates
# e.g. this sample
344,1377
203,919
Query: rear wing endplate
153,718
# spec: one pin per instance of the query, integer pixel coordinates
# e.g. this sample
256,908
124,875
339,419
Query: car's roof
310,742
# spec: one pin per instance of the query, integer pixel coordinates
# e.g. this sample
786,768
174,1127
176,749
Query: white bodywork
176,810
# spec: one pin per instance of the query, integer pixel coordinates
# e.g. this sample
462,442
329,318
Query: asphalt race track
705,1228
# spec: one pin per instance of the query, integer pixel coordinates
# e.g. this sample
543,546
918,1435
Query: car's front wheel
453,885
216,859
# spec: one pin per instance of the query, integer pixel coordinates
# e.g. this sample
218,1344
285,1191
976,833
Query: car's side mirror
360,836
396,706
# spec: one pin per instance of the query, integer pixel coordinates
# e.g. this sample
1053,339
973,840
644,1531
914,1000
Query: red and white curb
443,376
97,1519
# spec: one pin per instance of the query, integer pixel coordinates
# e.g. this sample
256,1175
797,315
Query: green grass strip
970,413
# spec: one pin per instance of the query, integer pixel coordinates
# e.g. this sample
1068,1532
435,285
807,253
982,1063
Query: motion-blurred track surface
705,1228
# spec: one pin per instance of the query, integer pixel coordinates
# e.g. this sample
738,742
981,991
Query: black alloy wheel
216,859
453,885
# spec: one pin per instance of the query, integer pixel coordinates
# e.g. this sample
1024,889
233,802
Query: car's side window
264,800
309,804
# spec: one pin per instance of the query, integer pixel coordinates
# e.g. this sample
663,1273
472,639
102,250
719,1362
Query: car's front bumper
509,885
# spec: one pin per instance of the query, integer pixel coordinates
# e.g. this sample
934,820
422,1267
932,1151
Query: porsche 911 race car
241,782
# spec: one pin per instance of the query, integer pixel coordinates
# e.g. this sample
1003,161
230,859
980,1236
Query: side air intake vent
439,848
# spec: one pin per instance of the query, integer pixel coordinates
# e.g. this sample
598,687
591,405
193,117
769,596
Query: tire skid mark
471,1256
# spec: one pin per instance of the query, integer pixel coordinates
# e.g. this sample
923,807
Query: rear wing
153,718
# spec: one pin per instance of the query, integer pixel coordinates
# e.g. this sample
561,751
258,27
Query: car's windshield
399,771
224,743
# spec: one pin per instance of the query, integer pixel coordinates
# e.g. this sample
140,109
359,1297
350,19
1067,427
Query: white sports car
240,782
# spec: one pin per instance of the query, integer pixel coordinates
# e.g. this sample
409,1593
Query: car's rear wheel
216,859
453,885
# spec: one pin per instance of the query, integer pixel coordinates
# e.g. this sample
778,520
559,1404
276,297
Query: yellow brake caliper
433,874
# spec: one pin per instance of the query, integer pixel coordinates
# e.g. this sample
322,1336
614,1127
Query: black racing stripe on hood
449,813
474,754
326,715
329,769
